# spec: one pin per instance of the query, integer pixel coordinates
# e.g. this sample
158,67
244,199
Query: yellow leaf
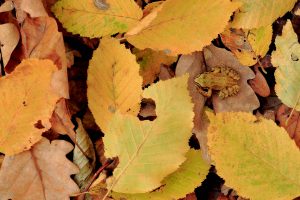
148,151
254,156
257,13
184,26
27,102
183,181
113,82
41,173
85,18
287,75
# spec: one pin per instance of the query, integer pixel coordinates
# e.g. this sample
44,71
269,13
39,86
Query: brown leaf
246,99
259,84
34,8
147,108
42,173
293,124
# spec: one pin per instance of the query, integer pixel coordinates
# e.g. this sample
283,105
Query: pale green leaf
287,75
254,156
148,151
85,18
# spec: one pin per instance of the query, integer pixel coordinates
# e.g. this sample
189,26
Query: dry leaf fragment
246,99
9,38
28,100
7,6
259,84
41,173
34,8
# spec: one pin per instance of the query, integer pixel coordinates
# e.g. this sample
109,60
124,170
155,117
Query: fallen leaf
28,100
114,83
34,8
286,59
144,145
250,153
257,13
290,123
178,184
9,38
191,16
246,99
150,62
42,173
165,73
86,19
7,6
147,108
259,84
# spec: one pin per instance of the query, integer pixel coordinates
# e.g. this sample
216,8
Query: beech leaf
113,82
254,156
27,102
142,146
42,173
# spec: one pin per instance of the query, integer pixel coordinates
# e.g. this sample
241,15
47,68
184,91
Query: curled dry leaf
42,173
290,123
7,6
34,8
28,100
259,84
246,99
9,38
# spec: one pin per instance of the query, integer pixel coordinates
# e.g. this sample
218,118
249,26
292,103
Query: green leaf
183,181
287,75
85,18
254,156
86,167
148,151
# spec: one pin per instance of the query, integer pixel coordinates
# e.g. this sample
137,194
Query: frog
222,79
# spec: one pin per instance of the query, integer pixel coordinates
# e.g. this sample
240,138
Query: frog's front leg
207,93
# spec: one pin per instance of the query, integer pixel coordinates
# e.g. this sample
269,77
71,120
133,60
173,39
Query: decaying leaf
42,173
28,100
246,99
114,83
86,165
254,156
9,38
183,181
257,13
286,59
182,27
150,62
148,151
89,20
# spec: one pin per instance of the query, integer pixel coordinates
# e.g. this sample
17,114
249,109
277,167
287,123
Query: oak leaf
254,156
257,13
88,20
28,100
42,173
286,59
113,82
142,146
181,27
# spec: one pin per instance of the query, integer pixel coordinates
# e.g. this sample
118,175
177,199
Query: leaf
150,62
259,83
248,45
85,165
84,18
9,37
150,150
257,13
27,103
41,173
113,82
6,6
286,58
246,99
254,156
183,181
181,27
34,8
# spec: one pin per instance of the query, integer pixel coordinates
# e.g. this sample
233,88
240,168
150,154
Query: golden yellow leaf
27,102
184,26
254,156
113,82
257,13
286,59
95,18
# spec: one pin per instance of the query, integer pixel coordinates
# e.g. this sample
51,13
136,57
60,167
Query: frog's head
204,80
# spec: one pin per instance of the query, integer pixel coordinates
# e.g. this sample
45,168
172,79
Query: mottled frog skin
221,79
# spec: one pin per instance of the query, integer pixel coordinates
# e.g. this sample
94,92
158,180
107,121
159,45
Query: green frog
222,79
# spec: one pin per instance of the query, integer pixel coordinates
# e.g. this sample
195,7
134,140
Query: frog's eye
101,4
